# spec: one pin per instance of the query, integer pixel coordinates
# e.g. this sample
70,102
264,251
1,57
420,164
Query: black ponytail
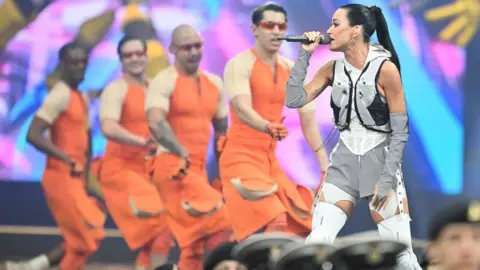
372,19
383,35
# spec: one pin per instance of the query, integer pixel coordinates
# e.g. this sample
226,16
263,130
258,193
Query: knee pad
328,220
334,194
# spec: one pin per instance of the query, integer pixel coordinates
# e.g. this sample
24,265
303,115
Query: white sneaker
11,265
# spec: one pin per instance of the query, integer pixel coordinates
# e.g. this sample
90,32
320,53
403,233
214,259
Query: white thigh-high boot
397,228
328,219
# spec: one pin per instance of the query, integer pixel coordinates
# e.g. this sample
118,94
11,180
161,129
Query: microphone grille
325,39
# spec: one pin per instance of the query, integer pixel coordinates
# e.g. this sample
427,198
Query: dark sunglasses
129,55
271,25
189,47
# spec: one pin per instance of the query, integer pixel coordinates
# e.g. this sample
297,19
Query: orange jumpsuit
77,215
130,196
257,192
196,214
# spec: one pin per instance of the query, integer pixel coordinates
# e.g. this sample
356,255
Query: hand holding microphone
315,38
310,40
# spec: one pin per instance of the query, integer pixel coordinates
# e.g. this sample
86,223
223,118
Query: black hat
167,267
298,256
465,211
256,251
221,253
374,254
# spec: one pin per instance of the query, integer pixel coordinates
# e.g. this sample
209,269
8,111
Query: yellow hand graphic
413,5
465,24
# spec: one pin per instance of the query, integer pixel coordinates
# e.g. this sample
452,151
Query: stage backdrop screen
431,73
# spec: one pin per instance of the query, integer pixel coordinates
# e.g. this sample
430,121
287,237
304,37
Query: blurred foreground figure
260,250
299,256
370,255
221,258
455,238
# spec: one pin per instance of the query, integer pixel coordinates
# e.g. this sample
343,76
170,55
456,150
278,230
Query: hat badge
473,214
275,252
321,255
374,256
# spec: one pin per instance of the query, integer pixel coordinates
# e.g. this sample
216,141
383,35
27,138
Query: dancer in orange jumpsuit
131,197
65,113
258,194
183,102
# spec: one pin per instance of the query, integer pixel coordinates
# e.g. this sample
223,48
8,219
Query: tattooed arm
157,105
298,93
162,132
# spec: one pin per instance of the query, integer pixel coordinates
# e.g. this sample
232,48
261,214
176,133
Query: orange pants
195,209
77,215
257,190
298,201
160,245
134,204
191,257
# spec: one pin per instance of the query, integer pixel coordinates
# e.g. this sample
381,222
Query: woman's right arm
298,93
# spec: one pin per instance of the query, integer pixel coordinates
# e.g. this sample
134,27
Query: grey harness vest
371,108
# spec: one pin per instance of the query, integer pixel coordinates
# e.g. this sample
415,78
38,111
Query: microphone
324,39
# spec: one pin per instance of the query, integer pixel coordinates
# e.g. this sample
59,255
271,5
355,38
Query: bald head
186,45
182,32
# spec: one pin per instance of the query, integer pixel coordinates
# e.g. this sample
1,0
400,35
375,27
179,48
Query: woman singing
369,107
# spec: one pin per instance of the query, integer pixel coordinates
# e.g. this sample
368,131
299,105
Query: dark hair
372,19
62,53
126,39
257,15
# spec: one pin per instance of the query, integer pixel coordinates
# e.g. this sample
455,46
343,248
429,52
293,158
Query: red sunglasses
271,25
138,54
189,47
